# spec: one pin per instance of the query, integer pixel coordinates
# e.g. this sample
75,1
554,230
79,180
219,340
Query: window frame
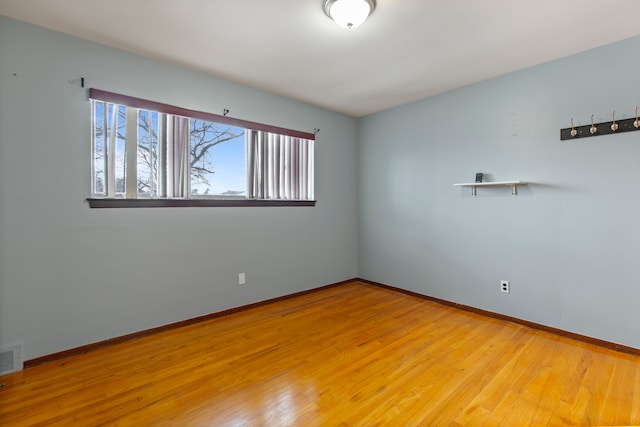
144,104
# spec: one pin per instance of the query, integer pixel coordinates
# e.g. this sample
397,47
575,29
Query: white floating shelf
474,185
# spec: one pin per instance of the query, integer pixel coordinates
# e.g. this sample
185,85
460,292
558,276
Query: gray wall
70,275
569,243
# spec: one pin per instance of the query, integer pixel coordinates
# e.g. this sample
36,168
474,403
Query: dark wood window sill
192,203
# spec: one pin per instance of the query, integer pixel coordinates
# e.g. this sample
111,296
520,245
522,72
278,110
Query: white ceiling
407,49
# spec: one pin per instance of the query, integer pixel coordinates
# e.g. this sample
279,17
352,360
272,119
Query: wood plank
350,355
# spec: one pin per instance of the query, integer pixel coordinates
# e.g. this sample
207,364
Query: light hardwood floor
352,355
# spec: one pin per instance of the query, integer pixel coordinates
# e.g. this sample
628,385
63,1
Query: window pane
109,135
217,159
99,146
117,126
147,171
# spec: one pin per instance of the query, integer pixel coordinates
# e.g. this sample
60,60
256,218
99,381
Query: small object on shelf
479,177
474,185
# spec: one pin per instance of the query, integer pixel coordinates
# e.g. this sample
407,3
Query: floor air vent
10,358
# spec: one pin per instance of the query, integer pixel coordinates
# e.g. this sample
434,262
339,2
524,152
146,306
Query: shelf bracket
514,190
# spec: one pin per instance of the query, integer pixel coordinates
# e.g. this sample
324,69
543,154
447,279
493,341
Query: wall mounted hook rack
604,128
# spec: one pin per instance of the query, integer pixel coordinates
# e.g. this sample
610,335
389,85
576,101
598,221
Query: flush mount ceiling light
349,13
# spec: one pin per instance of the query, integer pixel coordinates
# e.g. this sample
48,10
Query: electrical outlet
505,286
241,279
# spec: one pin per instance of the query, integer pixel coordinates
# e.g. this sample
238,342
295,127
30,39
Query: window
146,150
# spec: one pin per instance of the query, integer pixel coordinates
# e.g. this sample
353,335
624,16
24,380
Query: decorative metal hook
614,125
225,111
593,128
636,124
574,132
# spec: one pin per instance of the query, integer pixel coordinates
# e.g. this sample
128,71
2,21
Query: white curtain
110,144
279,166
177,136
